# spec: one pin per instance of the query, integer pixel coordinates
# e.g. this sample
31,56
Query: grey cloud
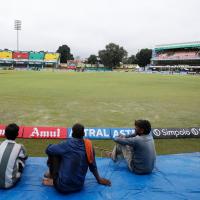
87,26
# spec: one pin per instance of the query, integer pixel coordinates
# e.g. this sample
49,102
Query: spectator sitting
68,163
12,158
137,149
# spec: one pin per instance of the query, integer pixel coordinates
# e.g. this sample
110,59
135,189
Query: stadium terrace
176,57
25,59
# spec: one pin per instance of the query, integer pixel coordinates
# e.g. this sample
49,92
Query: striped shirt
12,161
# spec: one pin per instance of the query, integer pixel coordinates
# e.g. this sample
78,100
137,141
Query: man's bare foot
111,155
47,181
108,154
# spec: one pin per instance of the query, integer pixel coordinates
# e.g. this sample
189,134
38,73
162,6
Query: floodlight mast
17,27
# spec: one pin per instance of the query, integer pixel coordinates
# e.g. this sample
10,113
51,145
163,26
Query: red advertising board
45,132
20,55
2,131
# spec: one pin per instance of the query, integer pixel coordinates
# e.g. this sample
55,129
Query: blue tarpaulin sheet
174,177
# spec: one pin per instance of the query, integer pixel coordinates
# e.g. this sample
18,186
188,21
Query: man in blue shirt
69,161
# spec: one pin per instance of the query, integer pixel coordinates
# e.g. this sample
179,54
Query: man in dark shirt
69,161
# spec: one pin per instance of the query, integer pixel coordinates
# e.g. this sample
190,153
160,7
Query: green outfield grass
100,100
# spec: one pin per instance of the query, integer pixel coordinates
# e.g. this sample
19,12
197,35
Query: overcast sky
86,26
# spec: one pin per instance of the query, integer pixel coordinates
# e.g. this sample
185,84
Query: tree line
112,56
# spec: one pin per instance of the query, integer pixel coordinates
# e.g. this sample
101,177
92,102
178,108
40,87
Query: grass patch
101,100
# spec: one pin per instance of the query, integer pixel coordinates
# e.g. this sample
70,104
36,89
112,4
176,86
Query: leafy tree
112,55
144,57
92,59
65,54
130,60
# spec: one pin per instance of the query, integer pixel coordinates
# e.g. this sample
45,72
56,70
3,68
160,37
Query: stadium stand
39,56
20,59
175,56
6,55
25,59
51,57
6,58
17,55
36,59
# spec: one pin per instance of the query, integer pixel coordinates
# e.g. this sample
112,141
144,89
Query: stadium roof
178,45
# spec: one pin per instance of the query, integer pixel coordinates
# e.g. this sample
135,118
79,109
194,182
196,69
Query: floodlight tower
18,25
